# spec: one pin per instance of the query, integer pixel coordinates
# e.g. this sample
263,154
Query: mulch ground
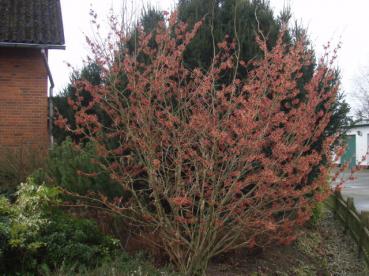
323,249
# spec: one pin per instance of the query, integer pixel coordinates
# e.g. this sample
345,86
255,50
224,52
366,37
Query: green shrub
35,231
72,239
72,168
16,164
122,265
5,214
317,213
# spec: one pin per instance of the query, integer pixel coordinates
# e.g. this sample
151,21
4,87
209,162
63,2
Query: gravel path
341,250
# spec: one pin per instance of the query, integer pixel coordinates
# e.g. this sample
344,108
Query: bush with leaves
17,163
210,167
72,167
35,231
5,214
122,265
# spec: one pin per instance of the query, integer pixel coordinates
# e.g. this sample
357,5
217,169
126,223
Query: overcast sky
327,20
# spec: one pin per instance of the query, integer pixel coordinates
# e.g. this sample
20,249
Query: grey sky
327,20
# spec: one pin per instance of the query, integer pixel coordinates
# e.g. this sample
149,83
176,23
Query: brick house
28,29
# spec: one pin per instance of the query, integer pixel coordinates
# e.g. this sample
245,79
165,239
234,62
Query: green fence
357,224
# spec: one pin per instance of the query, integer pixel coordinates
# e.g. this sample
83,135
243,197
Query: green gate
350,154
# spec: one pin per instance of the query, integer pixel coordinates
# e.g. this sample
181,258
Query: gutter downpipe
51,94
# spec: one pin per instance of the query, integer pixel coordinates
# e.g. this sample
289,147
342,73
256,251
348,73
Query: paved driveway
359,190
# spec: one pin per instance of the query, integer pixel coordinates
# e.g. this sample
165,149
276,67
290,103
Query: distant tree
240,20
361,95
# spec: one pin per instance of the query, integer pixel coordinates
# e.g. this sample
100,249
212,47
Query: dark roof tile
31,22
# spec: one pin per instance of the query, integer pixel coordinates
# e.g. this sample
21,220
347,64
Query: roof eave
356,126
32,45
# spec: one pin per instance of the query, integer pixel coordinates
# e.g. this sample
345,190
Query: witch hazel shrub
210,160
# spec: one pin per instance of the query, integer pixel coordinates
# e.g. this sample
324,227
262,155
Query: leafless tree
361,94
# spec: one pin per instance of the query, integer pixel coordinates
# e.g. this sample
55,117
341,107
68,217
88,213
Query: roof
31,23
361,123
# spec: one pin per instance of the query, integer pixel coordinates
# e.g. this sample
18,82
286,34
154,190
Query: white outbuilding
357,138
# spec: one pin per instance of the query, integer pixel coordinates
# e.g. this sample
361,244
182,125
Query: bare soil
323,249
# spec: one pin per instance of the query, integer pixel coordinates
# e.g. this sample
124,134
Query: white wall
362,135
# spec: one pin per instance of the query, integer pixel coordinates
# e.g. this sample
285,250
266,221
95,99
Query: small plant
34,231
304,271
317,213
121,265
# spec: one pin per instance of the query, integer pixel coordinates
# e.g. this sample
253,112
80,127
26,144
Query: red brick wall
23,98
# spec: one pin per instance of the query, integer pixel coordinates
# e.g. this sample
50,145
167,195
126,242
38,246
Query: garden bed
323,249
